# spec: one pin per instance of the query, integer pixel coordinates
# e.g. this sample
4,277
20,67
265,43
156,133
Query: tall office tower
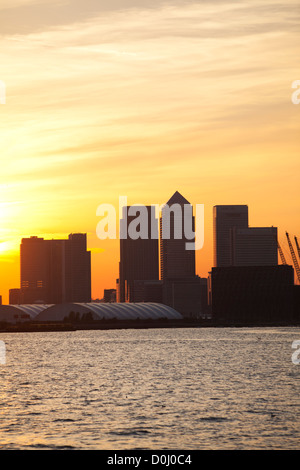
176,261
35,270
225,218
181,286
77,269
54,271
138,255
254,246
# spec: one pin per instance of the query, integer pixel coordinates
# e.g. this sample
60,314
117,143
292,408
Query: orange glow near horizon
125,100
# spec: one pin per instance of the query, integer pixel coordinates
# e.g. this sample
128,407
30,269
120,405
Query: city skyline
115,244
120,120
128,98
245,262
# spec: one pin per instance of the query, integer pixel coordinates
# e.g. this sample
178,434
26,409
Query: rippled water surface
206,388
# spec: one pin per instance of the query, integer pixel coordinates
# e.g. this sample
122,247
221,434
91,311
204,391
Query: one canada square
176,262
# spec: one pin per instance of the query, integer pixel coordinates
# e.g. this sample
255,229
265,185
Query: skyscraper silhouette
139,259
181,286
54,271
175,260
226,218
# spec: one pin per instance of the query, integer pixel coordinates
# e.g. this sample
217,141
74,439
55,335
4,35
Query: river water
193,388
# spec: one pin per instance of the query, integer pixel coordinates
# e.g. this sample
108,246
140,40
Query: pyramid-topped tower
175,260
177,198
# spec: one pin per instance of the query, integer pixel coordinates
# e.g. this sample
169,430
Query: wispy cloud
135,96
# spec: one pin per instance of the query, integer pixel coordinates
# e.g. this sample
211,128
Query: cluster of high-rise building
161,269
245,285
237,244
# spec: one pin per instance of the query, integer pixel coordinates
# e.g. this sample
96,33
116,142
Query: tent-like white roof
110,311
17,313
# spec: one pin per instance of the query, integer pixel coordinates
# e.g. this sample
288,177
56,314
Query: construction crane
283,260
293,256
298,247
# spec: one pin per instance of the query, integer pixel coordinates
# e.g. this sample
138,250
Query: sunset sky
141,98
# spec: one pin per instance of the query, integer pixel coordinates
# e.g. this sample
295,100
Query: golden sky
140,99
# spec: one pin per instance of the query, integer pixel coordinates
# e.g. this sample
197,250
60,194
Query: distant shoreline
28,327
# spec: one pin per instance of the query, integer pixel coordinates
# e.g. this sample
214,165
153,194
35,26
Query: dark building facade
55,271
109,295
253,294
176,262
15,296
237,244
77,269
148,291
226,218
139,259
181,287
254,246
184,295
297,303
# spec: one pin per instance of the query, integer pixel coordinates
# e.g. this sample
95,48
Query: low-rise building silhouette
252,294
15,296
109,295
